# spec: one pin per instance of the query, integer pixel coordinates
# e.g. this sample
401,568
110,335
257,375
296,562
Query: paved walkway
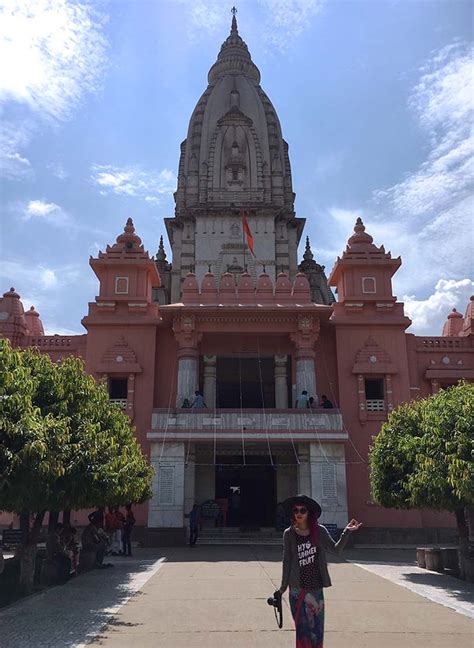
216,597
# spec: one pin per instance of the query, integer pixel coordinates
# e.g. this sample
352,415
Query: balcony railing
121,402
375,405
248,422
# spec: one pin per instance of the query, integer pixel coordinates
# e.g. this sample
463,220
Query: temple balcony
249,424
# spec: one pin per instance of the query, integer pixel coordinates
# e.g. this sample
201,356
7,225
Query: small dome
190,289
301,289
360,240
454,313
246,288
209,294
264,290
12,293
283,288
227,289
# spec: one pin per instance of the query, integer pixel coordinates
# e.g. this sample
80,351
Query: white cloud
58,171
287,19
49,212
48,278
13,137
42,277
56,54
429,314
134,181
281,21
443,104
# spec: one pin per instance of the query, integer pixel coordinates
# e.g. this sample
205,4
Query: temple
251,332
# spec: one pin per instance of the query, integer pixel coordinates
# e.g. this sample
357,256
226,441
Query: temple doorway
245,382
250,490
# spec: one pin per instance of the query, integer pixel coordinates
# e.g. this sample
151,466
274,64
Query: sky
375,100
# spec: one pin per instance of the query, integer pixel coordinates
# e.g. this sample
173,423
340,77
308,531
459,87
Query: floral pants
307,608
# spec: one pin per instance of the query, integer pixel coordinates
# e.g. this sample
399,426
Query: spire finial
233,11
308,254
161,254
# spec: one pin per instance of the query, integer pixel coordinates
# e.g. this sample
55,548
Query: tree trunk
27,552
53,520
463,541
67,517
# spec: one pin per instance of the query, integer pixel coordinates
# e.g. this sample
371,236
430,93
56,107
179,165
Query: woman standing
305,569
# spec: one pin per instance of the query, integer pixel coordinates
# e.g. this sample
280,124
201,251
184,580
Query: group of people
115,529
118,527
106,533
198,402
62,549
303,401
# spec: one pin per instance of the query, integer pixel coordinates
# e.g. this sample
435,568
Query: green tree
63,445
424,457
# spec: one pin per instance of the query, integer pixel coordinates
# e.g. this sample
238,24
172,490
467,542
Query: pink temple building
252,333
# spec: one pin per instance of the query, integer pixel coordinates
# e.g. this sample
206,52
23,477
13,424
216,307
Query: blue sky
375,100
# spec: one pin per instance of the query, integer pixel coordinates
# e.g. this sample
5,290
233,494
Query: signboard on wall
329,485
166,479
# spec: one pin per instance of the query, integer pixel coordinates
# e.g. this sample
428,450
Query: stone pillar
328,481
166,507
304,340
188,375
188,339
210,381
306,375
281,382
304,474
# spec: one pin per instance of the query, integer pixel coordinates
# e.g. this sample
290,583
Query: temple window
369,285
121,285
374,395
118,391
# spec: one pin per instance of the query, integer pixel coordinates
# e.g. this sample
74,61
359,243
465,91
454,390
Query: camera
275,600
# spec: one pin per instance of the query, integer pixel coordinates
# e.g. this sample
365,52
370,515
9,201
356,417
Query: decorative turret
320,291
468,327
453,324
127,276
361,273
12,318
363,278
33,322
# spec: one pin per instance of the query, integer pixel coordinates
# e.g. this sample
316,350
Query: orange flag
247,232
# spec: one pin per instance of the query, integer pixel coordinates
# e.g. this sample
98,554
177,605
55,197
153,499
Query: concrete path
215,597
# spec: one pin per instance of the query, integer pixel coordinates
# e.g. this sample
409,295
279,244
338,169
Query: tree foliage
424,454
62,443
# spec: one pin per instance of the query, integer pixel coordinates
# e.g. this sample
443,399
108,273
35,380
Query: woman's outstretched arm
338,547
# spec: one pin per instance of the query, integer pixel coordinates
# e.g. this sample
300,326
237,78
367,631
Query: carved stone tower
234,158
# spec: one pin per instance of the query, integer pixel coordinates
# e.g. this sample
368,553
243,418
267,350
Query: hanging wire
263,401
334,399
165,430
241,411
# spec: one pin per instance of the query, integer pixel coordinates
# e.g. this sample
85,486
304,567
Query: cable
263,402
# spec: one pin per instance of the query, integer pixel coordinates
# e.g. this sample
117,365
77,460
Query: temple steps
235,536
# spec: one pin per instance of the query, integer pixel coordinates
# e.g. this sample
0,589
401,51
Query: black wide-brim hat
311,504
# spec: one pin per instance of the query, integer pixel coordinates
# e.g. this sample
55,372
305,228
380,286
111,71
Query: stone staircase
236,536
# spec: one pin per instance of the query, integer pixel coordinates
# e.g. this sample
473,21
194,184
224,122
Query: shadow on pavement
72,614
